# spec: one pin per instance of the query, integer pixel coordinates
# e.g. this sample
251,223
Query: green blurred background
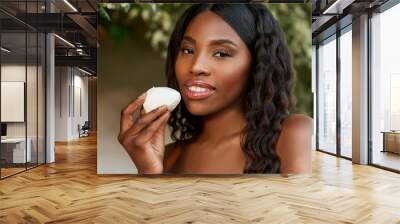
120,24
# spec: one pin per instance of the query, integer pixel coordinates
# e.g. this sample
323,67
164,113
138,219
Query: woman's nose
199,65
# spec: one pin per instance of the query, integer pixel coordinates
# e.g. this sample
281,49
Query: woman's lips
199,83
193,95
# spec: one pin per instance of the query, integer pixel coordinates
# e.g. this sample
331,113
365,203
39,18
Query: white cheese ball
159,96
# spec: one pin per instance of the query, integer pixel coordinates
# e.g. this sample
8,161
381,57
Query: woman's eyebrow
187,38
213,42
222,41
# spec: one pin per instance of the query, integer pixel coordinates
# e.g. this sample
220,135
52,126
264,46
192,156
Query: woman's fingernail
142,96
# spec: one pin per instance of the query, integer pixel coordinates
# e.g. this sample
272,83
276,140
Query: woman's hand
143,138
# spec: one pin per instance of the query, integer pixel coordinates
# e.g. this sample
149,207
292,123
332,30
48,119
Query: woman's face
212,66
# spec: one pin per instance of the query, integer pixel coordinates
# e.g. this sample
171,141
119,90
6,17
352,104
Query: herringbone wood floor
70,191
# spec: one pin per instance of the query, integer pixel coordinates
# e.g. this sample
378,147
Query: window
22,77
327,95
346,92
385,88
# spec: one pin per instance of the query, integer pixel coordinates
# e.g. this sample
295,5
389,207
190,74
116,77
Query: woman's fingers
146,134
126,114
146,120
142,111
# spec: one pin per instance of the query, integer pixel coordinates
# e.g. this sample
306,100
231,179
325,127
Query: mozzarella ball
159,96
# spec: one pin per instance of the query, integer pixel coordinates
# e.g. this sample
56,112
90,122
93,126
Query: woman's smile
197,93
197,89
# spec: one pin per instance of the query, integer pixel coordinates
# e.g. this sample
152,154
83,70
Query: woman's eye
186,50
222,54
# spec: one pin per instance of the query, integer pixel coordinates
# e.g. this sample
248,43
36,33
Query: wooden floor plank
70,191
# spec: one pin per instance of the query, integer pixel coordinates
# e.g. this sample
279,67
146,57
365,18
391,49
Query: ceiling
328,16
74,21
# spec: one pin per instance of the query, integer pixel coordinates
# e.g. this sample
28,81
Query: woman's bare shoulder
298,121
294,144
296,127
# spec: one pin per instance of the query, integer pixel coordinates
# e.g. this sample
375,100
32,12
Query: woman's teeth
198,89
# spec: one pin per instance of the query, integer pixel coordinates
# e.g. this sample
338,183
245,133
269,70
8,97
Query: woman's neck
222,125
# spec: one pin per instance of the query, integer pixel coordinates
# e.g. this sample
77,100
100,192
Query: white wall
61,103
12,73
70,83
50,95
79,117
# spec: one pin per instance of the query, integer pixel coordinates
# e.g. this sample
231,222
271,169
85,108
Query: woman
234,71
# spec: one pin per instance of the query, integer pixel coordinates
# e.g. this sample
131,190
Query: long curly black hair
269,97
